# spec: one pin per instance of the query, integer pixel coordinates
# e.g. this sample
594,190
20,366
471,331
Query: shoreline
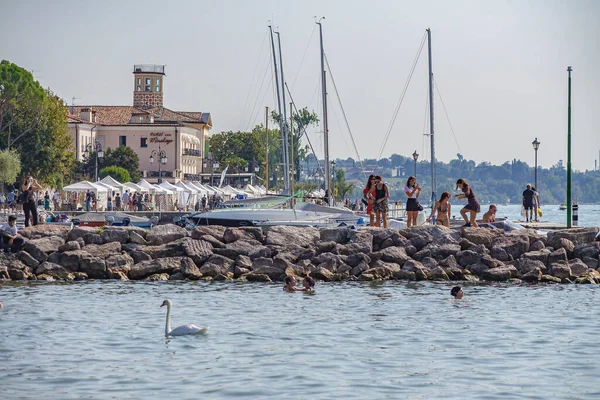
434,253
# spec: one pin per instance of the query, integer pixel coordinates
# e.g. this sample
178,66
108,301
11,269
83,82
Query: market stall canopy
252,190
84,186
110,188
144,184
137,188
109,180
187,188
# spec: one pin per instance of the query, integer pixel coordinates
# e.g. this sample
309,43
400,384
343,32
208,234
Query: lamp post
333,180
536,146
96,147
569,215
415,157
162,160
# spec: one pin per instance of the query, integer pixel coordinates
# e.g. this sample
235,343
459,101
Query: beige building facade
146,127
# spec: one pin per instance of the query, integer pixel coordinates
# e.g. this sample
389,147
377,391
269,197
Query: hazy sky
500,66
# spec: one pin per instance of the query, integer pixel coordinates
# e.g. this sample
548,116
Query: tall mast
328,190
277,86
284,130
431,135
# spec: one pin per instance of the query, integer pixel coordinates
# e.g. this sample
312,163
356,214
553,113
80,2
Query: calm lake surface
105,340
589,215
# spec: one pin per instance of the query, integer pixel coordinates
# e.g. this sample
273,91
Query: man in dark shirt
528,203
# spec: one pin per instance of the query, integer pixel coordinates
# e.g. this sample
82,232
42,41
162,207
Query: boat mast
328,190
277,86
284,130
431,135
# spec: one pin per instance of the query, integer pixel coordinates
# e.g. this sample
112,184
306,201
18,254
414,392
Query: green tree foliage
10,166
239,150
342,189
122,156
118,173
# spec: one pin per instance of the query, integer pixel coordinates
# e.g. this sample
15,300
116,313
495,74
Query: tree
118,173
342,189
122,156
10,166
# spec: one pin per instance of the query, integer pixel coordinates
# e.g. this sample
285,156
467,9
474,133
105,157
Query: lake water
589,215
105,340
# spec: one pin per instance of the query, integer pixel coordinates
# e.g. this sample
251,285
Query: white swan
189,329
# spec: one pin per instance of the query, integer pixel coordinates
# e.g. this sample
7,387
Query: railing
192,152
165,174
192,177
157,69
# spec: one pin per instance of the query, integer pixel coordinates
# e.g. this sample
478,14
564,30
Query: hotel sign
161,137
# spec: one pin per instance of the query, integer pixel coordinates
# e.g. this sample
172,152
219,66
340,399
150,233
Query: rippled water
349,340
589,214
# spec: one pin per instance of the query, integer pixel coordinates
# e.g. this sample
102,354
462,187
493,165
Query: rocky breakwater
168,252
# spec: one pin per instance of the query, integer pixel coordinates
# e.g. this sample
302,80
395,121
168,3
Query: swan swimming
189,329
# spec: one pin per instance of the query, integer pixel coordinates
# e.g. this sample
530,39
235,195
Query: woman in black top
472,206
380,193
29,200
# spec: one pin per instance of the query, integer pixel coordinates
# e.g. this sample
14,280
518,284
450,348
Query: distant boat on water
562,207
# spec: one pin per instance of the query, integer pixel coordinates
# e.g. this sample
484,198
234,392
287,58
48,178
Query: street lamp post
162,160
569,215
415,157
536,146
97,148
333,180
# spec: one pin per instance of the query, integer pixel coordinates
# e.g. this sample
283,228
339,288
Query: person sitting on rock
457,292
308,284
490,215
290,284
10,241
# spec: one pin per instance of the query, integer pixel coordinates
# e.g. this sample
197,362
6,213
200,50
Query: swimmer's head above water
457,292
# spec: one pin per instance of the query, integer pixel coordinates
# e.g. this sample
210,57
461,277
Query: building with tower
146,125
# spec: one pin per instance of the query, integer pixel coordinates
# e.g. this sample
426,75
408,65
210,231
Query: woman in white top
412,191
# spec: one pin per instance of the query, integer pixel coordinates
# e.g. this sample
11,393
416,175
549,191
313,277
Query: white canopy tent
254,191
193,192
99,191
108,187
109,180
137,188
182,195
201,189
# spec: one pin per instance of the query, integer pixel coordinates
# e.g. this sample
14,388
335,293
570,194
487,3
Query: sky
499,67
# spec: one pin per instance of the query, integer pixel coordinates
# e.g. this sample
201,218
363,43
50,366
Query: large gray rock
437,251
197,250
558,255
533,276
54,270
467,257
234,234
587,250
578,267
354,259
45,245
525,265
121,261
158,266
163,234
80,232
137,238
171,249
114,234
359,268
575,235
449,262
103,251
70,246
537,246
560,270
337,235
72,260
28,260
45,230
393,254
415,266
485,237
322,274
500,254
500,274
217,265
513,245
189,269
360,241
437,274
92,238
274,273
537,255
34,251
94,267
246,247
478,268
215,231
243,261
139,256
283,235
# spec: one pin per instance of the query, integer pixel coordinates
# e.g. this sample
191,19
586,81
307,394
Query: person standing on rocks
369,199
472,207
412,191
381,193
29,200
443,208
527,199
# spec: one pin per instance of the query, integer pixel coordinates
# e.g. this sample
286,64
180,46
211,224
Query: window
139,81
147,88
157,84
122,140
148,82
139,88
143,141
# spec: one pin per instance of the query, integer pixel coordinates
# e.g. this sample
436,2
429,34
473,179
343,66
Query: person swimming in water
289,284
308,284
457,292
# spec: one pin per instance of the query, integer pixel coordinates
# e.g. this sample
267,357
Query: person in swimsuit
308,284
443,209
472,206
381,193
490,216
457,292
412,191
289,284
369,199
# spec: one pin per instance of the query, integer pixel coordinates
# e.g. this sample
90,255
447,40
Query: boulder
337,235
44,230
27,259
120,261
216,243
256,232
537,255
500,254
159,266
537,246
485,237
467,257
535,275
163,234
566,244
591,262
500,274
465,244
139,256
115,234
478,268
439,252
513,245
243,261
215,231
274,273
215,265
53,270
525,265
558,255
198,250
393,254
574,235
455,273
111,273
360,241
158,277
578,267
172,249
491,262
591,250
189,269
586,279
449,262
238,271
69,246
247,247
354,259
437,274
103,251
234,234
416,267
550,279
92,238
135,237
35,252
359,268
302,236
560,270
282,263
71,260
253,277
79,232
48,244
94,267
322,274
327,247
405,275
429,263
388,268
